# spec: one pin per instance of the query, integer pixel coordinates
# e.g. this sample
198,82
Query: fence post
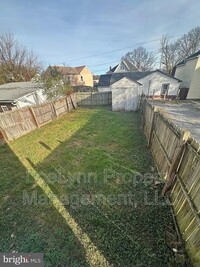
72,101
177,158
92,99
155,110
66,100
34,117
54,109
143,112
5,137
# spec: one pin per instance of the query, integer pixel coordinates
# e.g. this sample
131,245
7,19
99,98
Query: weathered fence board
44,113
14,124
94,98
185,193
17,123
60,107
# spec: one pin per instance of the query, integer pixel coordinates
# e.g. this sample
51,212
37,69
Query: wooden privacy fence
94,98
14,124
177,157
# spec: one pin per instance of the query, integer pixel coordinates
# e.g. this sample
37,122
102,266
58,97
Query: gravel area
185,114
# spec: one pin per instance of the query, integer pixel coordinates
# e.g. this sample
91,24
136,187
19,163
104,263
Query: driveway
185,114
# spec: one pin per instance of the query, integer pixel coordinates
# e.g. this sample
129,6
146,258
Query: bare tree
141,58
169,53
16,62
174,51
189,43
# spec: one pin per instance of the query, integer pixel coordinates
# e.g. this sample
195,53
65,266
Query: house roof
130,65
114,68
108,79
80,68
194,55
67,70
70,70
10,92
181,62
127,63
96,77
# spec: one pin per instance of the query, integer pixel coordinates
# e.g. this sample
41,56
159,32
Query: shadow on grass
35,227
90,179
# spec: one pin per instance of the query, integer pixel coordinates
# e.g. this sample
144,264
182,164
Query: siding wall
157,79
194,92
185,72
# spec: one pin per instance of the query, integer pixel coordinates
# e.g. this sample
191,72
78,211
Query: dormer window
122,67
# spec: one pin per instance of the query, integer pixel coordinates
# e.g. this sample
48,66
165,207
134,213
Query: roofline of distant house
167,75
185,60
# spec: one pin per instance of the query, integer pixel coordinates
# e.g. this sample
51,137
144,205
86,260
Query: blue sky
70,32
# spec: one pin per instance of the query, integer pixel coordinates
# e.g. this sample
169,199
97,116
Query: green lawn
74,190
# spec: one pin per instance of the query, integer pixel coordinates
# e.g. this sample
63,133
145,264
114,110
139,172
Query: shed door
131,99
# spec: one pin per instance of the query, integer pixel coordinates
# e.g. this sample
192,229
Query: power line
102,64
119,49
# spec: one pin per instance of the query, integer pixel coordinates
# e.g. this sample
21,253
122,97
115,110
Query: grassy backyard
75,189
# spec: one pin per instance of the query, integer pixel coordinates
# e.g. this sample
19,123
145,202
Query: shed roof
129,79
12,91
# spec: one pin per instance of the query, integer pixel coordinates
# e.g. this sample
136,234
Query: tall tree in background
141,58
174,51
16,62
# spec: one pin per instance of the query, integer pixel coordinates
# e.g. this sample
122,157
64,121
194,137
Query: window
4,108
82,78
122,67
165,88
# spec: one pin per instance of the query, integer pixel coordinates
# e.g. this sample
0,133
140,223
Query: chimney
110,67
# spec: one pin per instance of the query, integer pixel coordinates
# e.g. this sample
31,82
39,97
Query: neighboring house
77,76
188,71
124,66
20,94
155,84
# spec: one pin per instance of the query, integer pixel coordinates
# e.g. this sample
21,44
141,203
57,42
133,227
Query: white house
158,84
188,71
155,84
20,94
